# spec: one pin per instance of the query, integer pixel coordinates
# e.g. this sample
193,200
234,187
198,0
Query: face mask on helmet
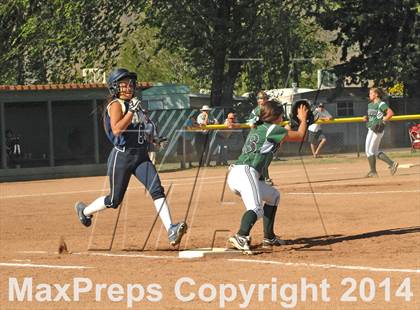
118,75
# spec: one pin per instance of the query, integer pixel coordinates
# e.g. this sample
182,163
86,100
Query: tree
142,54
207,33
47,41
379,39
285,35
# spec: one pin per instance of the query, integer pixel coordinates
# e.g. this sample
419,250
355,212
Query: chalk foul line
354,193
28,265
324,266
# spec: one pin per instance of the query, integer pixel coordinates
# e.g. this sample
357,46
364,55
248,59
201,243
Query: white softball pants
244,180
372,142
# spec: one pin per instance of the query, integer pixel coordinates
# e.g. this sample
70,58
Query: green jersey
261,143
376,112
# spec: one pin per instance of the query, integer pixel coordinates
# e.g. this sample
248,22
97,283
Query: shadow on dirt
320,241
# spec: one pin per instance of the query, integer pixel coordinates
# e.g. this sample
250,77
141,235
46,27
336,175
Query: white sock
97,205
165,215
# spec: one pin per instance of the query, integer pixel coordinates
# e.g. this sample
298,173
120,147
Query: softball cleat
268,243
240,242
176,231
393,168
372,175
85,220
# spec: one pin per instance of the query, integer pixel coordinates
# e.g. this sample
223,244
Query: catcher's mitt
294,120
379,127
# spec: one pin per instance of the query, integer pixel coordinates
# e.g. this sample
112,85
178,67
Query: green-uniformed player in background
253,118
261,199
379,113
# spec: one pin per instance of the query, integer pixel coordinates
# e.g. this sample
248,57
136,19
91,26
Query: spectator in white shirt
316,137
203,141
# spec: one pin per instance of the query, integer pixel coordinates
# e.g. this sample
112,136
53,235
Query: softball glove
379,128
294,120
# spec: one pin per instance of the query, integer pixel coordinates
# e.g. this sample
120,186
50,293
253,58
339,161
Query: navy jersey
134,136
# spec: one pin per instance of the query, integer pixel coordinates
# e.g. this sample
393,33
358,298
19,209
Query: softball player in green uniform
378,114
261,199
253,118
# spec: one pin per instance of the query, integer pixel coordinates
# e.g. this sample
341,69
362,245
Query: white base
198,253
404,166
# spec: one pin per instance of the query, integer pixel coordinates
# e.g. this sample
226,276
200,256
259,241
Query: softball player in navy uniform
244,176
124,124
378,114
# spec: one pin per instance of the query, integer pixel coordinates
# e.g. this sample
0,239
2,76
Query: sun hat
205,108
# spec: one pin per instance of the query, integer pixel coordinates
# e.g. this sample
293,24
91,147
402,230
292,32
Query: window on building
345,108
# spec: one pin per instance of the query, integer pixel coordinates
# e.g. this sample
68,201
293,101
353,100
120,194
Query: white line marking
43,266
182,183
325,266
164,182
104,254
124,255
89,191
51,194
214,182
353,193
406,166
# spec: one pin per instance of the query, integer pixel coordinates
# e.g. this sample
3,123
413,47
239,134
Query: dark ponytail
271,111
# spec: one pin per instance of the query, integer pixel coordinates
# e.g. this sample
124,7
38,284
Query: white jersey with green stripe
261,143
376,112
254,116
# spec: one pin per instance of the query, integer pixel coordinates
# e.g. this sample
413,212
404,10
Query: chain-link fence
350,138
78,137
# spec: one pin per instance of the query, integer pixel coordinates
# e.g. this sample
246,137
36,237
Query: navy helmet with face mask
118,75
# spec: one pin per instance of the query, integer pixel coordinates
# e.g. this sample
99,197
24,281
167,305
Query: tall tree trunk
217,79
229,82
20,77
296,73
220,37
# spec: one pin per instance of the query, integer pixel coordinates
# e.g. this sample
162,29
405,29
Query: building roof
68,86
167,89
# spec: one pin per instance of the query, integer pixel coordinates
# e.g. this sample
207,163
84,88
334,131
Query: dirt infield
367,257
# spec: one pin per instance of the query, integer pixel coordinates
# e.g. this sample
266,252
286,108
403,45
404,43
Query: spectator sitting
203,140
223,138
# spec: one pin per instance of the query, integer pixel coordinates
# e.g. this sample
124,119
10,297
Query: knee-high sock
248,220
96,206
268,221
382,156
372,163
163,209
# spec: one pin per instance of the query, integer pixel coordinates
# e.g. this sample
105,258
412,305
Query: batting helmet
118,75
